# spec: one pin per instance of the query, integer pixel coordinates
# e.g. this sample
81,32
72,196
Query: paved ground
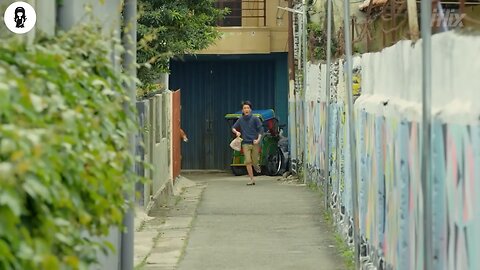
160,240
271,225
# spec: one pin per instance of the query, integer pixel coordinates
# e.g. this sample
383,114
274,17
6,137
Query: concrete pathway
161,239
271,225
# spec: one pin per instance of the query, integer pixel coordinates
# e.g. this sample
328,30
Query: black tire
284,166
274,162
239,170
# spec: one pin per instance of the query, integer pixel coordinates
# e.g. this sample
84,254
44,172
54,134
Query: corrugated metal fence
211,89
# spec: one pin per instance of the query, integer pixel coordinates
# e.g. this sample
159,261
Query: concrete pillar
46,16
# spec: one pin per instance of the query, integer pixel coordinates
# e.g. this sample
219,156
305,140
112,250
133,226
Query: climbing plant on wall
317,43
64,156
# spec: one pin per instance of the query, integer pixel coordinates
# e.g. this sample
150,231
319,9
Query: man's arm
236,132
259,131
258,139
183,135
234,128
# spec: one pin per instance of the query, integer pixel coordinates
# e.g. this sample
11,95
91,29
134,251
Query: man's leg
247,152
256,157
250,172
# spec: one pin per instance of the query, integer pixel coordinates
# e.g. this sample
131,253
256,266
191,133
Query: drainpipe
291,59
327,87
291,65
352,139
291,84
426,8
305,49
129,65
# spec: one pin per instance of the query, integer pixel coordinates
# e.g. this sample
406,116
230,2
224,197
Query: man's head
246,107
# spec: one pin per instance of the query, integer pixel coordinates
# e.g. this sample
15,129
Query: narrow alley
276,224
240,134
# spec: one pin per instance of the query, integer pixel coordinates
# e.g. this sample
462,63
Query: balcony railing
243,13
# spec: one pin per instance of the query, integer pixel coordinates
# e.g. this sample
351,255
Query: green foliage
341,246
64,159
149,90
172,28
347,253
318,42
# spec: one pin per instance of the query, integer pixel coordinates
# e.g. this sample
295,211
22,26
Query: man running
251,134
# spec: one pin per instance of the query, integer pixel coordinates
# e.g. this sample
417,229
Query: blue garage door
210,89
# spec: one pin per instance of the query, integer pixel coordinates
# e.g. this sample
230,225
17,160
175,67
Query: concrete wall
241,40
253,36
154,147
73,12
46,16
155,144
388,135
390,174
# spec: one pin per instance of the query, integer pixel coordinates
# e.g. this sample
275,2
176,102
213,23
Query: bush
64,156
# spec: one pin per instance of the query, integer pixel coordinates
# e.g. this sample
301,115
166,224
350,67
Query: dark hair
247,103
20,20
19,9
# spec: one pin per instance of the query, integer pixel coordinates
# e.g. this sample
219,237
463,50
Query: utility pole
292,127
305,49
291,59
327,88
129,67
352,139
303,55
426,20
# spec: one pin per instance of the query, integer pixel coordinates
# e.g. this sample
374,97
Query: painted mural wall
388,135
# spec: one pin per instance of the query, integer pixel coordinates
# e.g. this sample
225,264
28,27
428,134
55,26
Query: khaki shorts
250,151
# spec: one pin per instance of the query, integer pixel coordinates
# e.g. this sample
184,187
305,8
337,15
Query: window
234,17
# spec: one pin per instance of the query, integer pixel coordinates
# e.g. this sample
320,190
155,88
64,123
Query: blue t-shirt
250,127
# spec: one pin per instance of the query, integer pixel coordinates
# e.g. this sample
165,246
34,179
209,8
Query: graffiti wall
388,157
315,122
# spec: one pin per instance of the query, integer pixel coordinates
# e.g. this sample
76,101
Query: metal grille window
243,12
